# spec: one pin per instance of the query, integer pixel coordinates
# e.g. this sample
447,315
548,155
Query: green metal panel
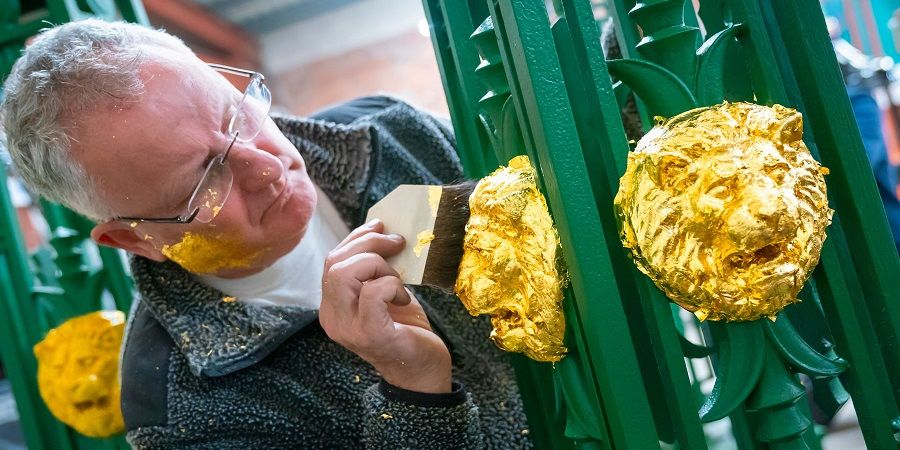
860,298
554,101
450,31
38,294
17,336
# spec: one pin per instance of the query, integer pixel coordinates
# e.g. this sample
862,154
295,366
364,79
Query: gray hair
69,70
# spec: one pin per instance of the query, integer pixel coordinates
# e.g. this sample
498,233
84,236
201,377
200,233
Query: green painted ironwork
541,87
518,83
70,277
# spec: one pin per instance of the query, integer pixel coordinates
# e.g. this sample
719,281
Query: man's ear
119,235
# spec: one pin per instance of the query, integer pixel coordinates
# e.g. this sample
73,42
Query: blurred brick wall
403,66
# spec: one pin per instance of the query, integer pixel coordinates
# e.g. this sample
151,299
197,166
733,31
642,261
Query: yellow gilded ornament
509,265
725,209
78,372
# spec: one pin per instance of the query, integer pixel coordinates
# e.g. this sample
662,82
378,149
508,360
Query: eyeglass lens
252,111
248,120
213,190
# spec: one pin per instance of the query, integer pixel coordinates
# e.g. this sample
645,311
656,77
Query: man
228,346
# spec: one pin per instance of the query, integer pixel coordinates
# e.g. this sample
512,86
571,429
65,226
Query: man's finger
342,282
375,225
381,244
368,266
374,298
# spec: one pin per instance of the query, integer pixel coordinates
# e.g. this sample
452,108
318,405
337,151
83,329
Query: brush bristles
445,253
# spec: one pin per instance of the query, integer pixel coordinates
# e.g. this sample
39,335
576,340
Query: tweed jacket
202,373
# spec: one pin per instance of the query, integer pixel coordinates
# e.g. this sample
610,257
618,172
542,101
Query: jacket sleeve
401,419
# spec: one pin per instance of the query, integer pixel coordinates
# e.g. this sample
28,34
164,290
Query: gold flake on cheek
205,253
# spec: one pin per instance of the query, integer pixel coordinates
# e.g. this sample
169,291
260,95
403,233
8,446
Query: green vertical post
450,30
878,265
605,149
547,122
864,312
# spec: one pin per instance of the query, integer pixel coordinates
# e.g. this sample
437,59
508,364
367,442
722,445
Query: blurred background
314,53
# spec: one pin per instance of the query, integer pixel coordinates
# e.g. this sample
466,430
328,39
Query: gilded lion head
725,209
78,372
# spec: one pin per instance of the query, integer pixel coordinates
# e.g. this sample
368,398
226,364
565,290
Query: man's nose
254,169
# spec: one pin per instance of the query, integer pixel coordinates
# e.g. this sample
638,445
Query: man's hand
366,309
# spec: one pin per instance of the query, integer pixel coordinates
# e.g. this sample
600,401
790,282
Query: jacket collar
338,159
219,337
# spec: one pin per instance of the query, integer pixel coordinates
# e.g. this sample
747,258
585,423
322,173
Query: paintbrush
432,220
510,269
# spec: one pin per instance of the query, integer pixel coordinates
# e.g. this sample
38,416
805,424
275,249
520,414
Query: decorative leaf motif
800,354
583,418
663,92
741,358
712,16
710,87
829,394
779,402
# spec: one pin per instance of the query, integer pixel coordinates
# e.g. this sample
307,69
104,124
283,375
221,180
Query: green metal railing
70,277
519,83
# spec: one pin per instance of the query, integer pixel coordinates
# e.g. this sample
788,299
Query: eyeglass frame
220,159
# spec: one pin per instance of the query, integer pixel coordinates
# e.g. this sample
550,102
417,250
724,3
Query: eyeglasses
247,120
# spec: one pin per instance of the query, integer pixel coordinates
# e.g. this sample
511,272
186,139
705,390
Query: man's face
146,157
